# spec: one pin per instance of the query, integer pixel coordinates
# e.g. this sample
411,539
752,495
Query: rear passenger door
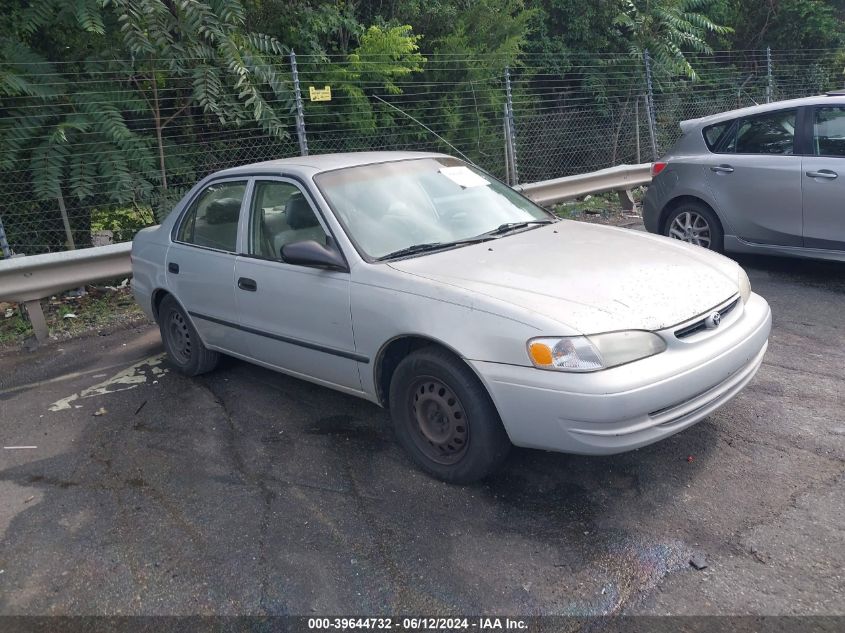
824,180
755,176
201,262
296,318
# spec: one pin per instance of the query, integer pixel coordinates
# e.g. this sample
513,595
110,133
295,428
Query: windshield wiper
507,227
428,247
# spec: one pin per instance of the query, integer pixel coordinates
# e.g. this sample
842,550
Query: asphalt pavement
126,488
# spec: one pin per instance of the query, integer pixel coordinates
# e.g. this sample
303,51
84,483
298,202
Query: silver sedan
479,319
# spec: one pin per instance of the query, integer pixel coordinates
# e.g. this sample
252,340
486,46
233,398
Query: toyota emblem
712,321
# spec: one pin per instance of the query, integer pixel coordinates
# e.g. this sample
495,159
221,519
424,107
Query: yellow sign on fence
320,94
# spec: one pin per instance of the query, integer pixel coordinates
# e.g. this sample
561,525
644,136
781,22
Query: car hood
588,277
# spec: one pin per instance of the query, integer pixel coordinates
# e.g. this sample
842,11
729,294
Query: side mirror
311,253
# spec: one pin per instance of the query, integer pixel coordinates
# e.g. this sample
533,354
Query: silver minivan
768,179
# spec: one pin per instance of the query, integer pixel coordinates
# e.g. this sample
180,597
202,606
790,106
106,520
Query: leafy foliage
668,30
187,82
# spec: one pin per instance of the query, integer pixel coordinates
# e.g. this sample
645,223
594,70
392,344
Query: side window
280,214
714,133
767,134
829,132
212,220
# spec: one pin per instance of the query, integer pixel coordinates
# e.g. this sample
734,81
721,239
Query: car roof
317,163
829,99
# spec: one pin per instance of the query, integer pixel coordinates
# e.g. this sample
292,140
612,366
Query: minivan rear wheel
444,418
695,223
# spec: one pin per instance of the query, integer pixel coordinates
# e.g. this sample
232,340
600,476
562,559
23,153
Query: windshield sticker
464,177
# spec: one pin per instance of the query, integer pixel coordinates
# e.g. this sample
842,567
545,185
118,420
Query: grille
700,326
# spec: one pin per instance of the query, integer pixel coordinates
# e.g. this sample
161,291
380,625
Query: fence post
649,104
4,244
637,127
652,121
511,126
769,75
507,142
66,222
300,116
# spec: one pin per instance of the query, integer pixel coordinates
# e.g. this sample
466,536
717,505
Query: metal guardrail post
37,320
300,114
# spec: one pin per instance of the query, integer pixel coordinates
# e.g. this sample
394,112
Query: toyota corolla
479,319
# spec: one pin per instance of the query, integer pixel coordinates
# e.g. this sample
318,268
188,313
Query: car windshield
410,206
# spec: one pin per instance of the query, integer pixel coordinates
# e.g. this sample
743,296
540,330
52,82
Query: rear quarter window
714,133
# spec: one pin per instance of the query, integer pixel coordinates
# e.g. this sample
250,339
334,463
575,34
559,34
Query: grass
69,316
602,206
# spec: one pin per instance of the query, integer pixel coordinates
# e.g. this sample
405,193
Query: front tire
695,223
444,417
184,347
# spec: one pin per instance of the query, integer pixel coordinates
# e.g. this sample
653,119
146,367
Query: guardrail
29,279
621,179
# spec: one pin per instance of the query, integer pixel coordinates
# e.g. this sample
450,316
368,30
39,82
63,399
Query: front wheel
444,418
695,223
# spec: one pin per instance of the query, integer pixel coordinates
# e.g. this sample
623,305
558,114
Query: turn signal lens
540,354
656,168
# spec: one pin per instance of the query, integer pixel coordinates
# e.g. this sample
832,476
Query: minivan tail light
656,168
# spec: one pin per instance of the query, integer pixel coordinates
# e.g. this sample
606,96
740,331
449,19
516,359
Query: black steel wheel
441,429
444,417
183,344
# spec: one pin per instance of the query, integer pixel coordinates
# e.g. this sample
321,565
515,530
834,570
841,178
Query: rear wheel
695,223
181,340
444,417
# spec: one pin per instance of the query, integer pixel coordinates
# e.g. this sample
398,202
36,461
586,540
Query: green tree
782,24
668,30
106,122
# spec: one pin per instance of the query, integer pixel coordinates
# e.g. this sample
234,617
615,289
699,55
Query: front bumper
634,405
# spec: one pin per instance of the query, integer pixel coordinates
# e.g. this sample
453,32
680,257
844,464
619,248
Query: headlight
592,353
744,285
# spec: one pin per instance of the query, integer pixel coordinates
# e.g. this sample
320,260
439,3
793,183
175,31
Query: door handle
823,173
722,169
244,283
173,268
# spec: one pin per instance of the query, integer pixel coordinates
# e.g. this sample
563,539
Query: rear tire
695,223
444,417
184,346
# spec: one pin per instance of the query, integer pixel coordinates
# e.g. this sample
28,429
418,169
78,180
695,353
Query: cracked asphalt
248,492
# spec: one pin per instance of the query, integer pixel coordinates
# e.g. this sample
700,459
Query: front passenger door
297,319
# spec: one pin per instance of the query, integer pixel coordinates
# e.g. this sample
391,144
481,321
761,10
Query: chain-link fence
534,121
